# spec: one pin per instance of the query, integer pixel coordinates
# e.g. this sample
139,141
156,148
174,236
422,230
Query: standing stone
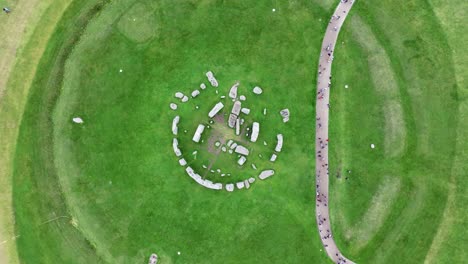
184,99
242,97
173,106
175,123
255,131
229,187
257,90
245,111
273,157
203,86
182,162
285,115
233,91
242,160
279,145
195,93
179,95
238,127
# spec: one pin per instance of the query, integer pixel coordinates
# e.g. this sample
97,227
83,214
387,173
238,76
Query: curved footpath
321,136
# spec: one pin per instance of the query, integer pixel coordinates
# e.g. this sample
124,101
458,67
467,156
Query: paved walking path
321,140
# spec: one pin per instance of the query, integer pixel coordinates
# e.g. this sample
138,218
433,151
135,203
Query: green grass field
111,190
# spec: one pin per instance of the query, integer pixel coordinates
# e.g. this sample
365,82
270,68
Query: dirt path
321,137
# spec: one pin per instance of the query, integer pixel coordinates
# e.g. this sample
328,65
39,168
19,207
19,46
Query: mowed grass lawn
111,190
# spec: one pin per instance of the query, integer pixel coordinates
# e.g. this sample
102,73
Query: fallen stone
198,133
265,143
265,174
222,96
212,79
230,151
254,167
218,171
175,123
372,145
237,127
264,111
242,160
173,106
242,98
204,166
245,111
232,120
195,93
78,120
195,152
285,115
255,131
233,91
229,187
236,108
257,90
242,150
215,109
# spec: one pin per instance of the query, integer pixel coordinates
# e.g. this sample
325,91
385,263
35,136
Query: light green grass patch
395,130
385,84
377,212
138,23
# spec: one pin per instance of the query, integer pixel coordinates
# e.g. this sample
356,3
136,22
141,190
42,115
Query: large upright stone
279,144
255,131
175,123
233,91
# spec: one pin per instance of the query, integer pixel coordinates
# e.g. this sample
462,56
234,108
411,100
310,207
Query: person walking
6,10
